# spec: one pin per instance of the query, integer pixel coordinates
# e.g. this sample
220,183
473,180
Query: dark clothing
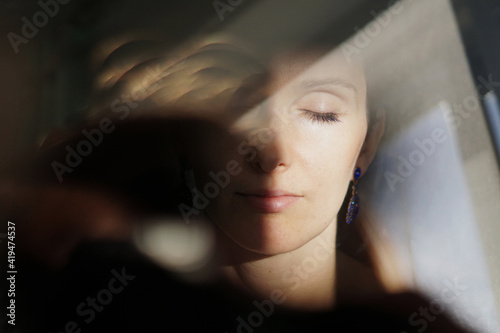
112,288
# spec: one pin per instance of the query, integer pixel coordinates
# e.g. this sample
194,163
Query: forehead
312,69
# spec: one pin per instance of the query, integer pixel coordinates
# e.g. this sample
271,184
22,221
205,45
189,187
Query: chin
269,237
268,248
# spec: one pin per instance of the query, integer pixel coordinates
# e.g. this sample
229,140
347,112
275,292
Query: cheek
332,151
329,177
211,151
330,157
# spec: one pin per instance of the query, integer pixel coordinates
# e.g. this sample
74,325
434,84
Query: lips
270,201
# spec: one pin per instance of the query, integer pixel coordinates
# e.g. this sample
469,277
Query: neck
304,277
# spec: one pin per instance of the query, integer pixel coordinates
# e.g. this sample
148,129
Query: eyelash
321,117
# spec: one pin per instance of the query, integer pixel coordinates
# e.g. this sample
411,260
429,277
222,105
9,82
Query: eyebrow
314,83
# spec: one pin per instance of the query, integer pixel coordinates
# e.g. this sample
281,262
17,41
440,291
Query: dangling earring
353,208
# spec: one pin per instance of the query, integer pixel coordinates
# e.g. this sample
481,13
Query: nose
272,146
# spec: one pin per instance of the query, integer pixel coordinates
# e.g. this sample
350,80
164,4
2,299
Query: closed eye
321,117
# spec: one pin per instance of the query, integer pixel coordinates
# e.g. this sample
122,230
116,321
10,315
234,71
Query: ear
372,140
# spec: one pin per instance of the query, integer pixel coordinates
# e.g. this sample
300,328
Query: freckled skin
310,158
306,139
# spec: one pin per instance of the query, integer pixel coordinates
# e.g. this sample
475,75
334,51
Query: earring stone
353,208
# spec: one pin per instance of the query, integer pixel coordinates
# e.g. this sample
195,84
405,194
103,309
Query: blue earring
353,208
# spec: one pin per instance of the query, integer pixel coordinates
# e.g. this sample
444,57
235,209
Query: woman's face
278,176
